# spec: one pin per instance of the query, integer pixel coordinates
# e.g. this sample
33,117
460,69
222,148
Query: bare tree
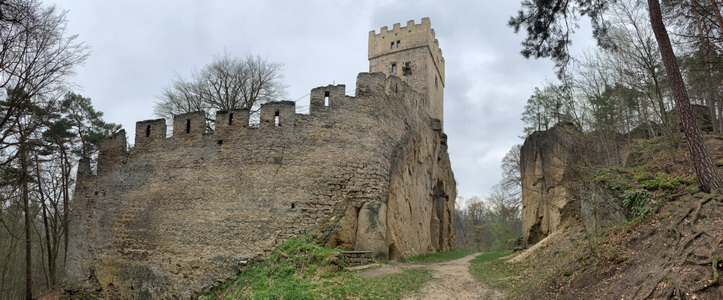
698,26
706,171
548,25
636,57
511,178
35,58
226,83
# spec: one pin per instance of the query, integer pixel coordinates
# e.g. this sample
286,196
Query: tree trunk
51,259
716,12
715,8
22,151
65,169
707,51
707,172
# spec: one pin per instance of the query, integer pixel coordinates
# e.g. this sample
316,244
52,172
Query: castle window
436,85
148,130
394,68
398,42
326,98
188,125
391,46
277,120
230,119
407,69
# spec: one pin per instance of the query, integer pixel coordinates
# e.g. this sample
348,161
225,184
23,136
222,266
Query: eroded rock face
372,229
176,216
557,181
550,169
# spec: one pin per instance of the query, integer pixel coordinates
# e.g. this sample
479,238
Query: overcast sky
138,47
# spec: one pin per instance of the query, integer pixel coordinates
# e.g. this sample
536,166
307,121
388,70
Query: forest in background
624,86
45,129
619,88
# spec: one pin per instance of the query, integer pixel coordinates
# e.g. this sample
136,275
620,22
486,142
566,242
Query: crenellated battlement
411,53
328,104
404,38
192,126
322,97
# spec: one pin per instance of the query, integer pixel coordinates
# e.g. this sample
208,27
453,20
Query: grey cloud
139,46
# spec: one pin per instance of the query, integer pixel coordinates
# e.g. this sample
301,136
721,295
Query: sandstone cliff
557,169
175,216
549,166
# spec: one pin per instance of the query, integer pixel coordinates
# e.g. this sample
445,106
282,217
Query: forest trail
451,280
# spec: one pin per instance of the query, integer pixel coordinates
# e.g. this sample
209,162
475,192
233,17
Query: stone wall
415,53
176,216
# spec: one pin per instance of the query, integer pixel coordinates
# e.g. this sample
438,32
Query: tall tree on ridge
548,25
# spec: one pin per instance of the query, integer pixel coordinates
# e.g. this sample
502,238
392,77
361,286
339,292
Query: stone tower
411,53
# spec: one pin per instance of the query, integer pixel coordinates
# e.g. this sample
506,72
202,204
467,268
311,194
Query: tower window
398,42
326,98
407,68
436,85
277,120
188,125
230,119
148,130
394,68
391,46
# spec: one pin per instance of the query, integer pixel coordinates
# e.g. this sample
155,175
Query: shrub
638,202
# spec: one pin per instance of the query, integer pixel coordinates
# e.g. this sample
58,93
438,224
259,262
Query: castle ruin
176,215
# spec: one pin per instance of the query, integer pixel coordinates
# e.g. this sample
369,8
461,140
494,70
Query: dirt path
451,281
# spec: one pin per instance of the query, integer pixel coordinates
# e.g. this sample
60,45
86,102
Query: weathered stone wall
415,53
177,215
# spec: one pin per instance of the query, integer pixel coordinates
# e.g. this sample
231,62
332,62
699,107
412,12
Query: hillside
668,246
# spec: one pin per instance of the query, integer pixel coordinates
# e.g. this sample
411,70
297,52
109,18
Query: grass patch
438,257
495,273
301,270
392,286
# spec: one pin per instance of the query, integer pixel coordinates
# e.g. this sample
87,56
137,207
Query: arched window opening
277,120
188,125
326,98
230,118
148,130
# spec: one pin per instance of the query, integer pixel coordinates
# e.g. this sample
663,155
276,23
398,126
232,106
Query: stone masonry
175,216
413,54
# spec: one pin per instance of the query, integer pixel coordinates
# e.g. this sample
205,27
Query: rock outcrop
551,163
558,184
